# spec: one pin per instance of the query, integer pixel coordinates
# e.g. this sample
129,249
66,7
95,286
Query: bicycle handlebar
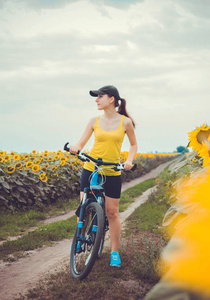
99,161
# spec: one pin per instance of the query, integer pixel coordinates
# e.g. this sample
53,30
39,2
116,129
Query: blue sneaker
115,259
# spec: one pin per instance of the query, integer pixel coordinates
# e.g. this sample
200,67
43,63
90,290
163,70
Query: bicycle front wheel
84,251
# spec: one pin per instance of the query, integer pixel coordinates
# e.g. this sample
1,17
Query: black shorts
112,186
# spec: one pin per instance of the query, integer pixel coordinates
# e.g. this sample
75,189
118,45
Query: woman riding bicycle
109,130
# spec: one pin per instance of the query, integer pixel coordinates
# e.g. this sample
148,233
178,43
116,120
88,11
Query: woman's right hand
74,149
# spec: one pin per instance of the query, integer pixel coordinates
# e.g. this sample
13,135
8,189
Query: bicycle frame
95,186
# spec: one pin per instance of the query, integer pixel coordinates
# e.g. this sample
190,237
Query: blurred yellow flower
7,157
18,165
16,157
36,168
29,164
33,151
45,166
62,163
10,169
1,153
42,176
56,157
50,159
1,159
54,168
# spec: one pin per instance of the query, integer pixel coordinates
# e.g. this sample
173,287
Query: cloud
51,56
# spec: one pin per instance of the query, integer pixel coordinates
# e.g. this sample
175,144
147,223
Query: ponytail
122,109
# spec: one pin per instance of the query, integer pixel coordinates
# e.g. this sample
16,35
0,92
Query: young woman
109,130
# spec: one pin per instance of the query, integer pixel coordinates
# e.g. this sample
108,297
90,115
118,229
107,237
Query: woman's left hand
127,165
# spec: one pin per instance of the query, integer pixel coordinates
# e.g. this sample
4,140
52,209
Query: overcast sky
52,52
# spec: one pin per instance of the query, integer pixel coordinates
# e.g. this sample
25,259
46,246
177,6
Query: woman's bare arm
85,137
128,126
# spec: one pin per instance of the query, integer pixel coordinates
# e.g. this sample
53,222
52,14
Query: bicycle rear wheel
105,229
82,258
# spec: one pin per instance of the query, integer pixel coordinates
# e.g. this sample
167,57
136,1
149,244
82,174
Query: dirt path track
17,277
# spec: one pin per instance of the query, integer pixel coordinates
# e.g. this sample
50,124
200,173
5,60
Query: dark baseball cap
107,89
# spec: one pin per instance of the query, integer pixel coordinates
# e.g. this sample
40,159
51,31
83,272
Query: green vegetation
16,222
131,194
41,236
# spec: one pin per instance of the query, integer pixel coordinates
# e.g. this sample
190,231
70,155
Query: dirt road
17,277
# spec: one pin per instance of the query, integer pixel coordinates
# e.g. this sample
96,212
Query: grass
128,196
35,239
15,223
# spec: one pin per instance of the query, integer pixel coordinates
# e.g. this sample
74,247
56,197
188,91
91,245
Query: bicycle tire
101,245
105,229
81,262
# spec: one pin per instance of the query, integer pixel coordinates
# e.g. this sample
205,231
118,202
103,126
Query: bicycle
89,237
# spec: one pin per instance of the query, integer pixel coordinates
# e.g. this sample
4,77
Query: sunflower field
38,179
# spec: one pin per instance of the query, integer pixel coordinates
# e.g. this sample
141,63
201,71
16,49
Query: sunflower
42,176
38,161
56,174
36,168
29,164
1,159
7,157
45,166
62,163
50,159
54,168
1,153
12,153
33,151
18,165
205,153
16,157
56,157
198,136
10,169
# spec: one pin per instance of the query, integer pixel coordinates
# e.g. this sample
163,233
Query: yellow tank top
107,145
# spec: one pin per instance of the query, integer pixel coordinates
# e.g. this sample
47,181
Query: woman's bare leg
112,212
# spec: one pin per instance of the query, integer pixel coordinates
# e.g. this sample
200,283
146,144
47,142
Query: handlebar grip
66,148
134,167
